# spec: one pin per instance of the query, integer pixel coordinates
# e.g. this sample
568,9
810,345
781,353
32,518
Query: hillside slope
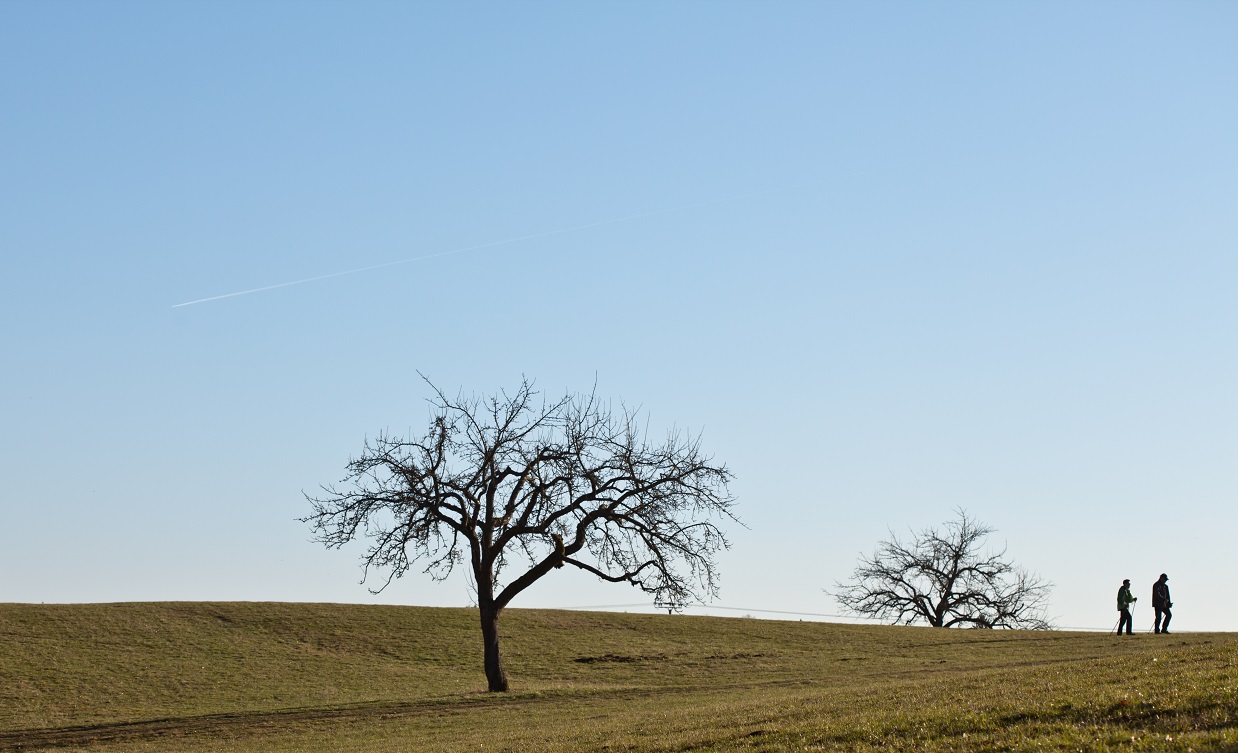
275,676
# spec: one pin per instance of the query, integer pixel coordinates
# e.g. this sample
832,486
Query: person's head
1164,577
1126,581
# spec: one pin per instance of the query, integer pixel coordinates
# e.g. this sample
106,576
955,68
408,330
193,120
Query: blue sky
918,257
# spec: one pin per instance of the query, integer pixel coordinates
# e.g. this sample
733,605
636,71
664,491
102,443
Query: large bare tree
516,486
943,577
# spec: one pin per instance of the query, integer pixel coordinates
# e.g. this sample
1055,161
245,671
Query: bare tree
943,578
511,481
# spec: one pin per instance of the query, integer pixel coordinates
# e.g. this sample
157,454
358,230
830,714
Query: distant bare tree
943,578
510,480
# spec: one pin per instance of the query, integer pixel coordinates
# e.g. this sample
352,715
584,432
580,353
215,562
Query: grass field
325,677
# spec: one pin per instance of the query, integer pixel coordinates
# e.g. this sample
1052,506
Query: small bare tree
943,578
509,480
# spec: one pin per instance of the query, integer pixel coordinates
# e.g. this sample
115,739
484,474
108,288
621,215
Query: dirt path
243,724
248,723
209,725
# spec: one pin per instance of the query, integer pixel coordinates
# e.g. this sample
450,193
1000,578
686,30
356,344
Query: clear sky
919,256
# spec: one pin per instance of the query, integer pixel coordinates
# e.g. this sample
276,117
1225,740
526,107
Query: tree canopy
943,577
514,487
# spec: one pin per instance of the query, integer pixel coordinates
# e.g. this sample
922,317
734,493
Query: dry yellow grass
311,677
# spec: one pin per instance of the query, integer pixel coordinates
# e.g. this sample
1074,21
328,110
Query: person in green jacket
1125,599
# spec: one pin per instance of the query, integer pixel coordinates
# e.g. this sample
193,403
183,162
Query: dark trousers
1125,619
1162,627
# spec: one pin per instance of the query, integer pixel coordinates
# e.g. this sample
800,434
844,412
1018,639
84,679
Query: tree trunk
496,679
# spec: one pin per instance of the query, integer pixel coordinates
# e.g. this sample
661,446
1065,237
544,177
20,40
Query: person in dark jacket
1125,599
1161,603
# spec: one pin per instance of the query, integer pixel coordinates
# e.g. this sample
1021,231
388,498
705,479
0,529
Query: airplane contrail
491,244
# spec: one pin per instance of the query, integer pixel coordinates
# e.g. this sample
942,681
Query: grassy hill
309,677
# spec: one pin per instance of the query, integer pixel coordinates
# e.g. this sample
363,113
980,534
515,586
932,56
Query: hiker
1161,603
1125,599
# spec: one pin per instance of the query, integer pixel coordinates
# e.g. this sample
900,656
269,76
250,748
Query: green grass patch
310,677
